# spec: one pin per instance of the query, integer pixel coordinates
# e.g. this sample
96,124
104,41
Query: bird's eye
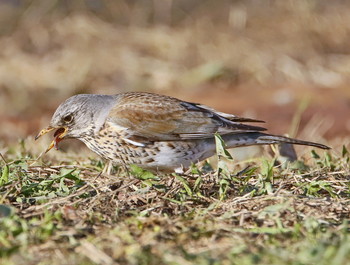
68,118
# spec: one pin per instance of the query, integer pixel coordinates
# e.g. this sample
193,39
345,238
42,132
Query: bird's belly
158,155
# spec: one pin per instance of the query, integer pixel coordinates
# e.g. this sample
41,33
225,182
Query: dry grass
263,214
278,52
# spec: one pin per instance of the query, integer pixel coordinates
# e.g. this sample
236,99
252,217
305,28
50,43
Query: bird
155,132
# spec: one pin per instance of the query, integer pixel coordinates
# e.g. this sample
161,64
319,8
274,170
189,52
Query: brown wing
159,117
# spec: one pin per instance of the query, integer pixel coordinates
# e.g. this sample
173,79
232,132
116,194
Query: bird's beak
58,136
43,131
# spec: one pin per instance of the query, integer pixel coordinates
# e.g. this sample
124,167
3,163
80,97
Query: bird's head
78,116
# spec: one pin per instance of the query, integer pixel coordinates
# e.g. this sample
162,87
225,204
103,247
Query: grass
262,213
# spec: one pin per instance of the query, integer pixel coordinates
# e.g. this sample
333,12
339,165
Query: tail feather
257,138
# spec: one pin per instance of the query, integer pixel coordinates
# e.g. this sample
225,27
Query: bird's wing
158,117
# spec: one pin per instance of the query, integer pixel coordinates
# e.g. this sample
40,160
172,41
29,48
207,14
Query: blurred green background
272,60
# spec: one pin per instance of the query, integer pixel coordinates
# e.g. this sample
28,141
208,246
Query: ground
263,212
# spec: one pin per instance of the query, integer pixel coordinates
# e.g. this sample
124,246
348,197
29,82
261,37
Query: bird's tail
257,138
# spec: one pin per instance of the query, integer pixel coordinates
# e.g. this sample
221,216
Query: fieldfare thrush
153,131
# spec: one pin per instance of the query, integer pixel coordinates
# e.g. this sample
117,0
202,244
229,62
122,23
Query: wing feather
158,117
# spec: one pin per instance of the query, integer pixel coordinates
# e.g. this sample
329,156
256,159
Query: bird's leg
124,167
107,169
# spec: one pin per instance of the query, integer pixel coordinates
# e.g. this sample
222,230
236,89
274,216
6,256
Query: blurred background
285,62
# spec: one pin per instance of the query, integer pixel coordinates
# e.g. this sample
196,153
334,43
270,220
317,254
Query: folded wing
163,118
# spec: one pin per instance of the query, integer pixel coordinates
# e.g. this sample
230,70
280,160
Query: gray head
80,113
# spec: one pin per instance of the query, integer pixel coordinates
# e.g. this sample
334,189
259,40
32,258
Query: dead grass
277,52
73,214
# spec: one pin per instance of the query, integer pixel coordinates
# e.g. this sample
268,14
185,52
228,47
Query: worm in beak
59,134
